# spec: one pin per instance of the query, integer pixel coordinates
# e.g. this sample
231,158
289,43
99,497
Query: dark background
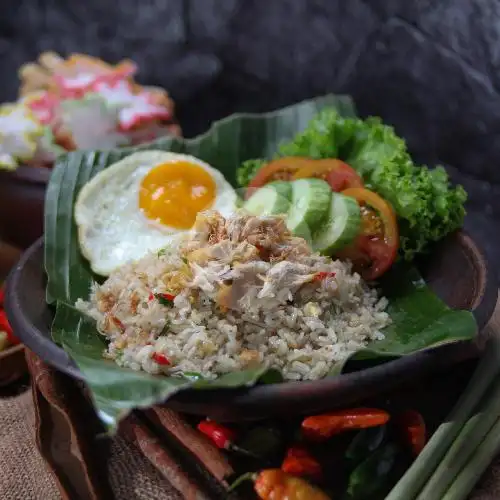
429,67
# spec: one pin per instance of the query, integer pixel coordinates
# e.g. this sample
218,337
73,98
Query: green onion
480,460
464,446
424,466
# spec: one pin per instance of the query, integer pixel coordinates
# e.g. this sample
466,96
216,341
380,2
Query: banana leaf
420,320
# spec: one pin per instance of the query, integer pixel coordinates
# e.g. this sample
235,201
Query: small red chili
5,327
151,296
160,358
221,436
320,276
168,296
411,425
320,427
299,462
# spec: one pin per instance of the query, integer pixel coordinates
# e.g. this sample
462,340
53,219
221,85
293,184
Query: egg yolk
174,193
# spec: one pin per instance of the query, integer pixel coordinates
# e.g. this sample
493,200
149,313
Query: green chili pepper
262,441
373,475
364,443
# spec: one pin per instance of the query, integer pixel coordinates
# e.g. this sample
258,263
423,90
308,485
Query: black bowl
456,270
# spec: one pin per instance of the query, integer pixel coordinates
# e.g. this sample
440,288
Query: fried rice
237,293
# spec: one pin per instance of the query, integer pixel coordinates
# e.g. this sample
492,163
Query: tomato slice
375,249
281,169
337,173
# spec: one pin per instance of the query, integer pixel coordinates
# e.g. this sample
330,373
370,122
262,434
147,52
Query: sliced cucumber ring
271,199
342,226
309,208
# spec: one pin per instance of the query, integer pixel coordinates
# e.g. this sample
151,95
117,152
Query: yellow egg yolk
174,193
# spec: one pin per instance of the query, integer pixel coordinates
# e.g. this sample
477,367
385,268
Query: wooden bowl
22,197
456,270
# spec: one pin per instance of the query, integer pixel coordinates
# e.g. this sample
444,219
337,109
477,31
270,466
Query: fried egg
143,203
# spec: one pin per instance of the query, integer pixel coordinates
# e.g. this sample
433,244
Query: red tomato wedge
337,173
281,169
375,249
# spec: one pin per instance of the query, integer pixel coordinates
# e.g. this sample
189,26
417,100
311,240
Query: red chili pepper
412,428
5,327
151,296
299,462
160,358
320,276
221,436
321,427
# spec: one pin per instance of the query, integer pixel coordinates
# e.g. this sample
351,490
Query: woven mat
25,475
135,465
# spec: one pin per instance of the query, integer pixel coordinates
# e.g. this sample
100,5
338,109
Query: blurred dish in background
80,103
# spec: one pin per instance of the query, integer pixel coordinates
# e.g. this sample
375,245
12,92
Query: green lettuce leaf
420,319
246,172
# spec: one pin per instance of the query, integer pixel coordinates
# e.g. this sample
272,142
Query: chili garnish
321,275
160,358
221,436
118,323
412,427
324,426
299,462
274,484
5,327
165,299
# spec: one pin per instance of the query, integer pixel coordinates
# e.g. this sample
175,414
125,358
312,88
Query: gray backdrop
430,68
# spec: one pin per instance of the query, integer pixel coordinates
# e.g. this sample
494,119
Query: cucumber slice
341,227
271,199
309,208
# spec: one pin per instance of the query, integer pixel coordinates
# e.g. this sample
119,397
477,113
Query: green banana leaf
420,319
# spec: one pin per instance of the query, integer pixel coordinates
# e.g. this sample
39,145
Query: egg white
112,230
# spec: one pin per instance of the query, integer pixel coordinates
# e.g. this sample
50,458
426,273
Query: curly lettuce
427,205
246,172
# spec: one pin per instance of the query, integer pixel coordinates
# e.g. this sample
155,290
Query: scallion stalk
471,436
421,470
477,464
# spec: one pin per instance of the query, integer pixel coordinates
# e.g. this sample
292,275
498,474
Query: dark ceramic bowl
22,196
456,270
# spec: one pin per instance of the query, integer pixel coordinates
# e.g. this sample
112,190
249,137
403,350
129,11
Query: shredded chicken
285,274
244,258
105,301
242,239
